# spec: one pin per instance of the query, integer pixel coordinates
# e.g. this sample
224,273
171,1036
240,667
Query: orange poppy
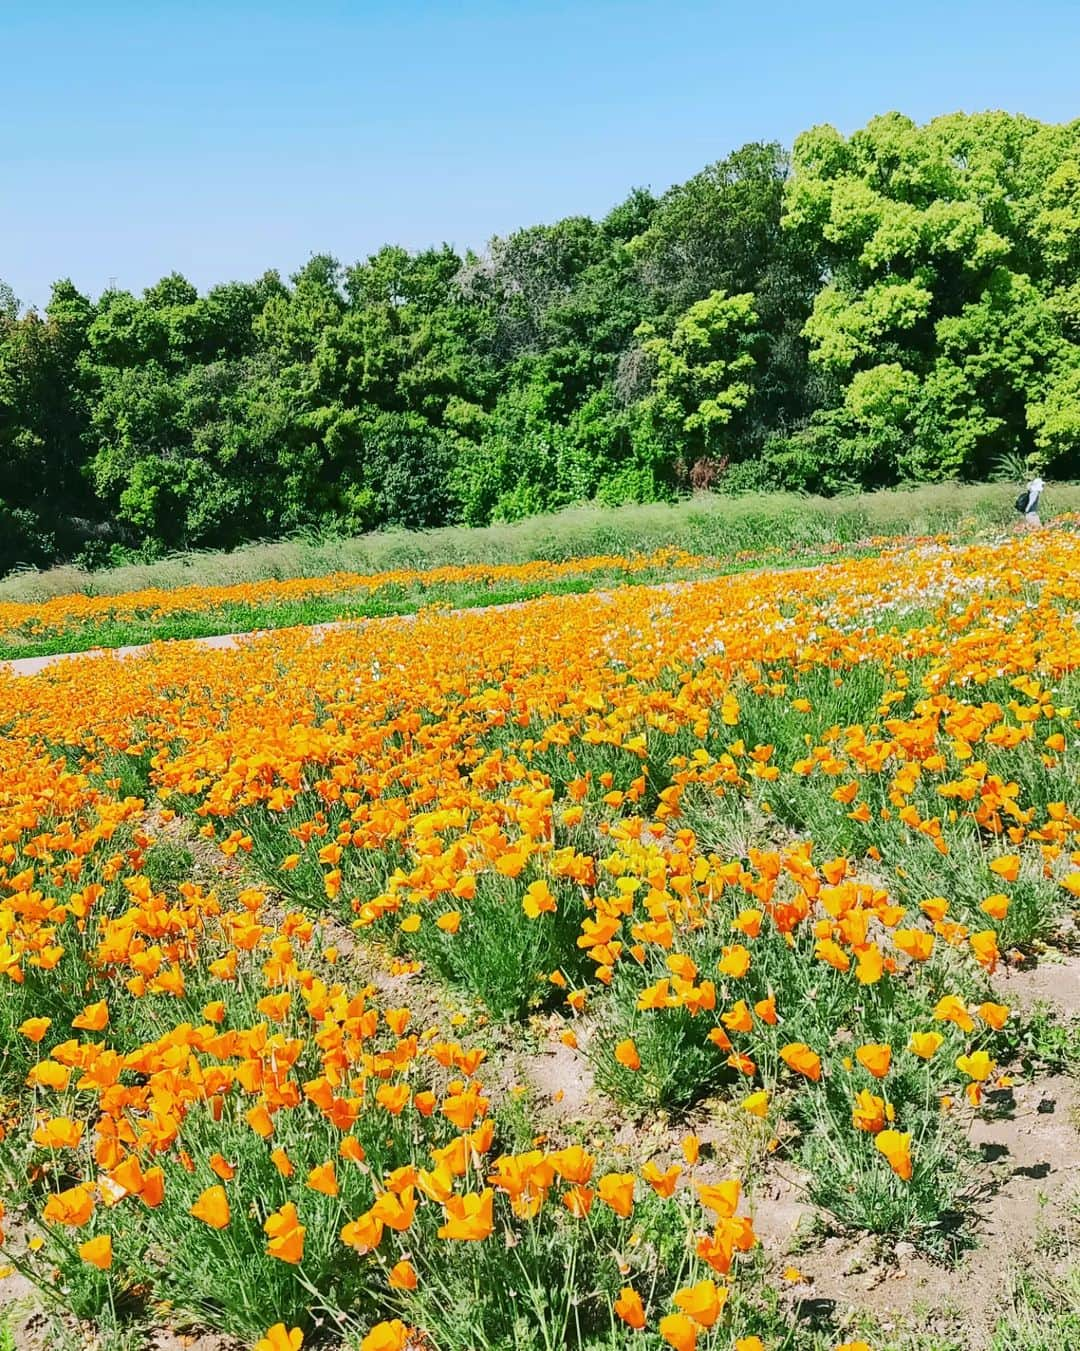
212,1207
97,1252
799,1058
896,1147
469,1218
629,1307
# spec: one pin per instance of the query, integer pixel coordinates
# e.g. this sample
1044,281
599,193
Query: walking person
1028,503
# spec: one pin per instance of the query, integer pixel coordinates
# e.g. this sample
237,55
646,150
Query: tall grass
707,524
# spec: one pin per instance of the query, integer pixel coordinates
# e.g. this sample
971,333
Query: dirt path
28,666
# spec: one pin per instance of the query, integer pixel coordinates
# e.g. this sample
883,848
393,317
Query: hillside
895,306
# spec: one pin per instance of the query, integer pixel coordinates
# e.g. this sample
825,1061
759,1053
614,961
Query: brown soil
1053,980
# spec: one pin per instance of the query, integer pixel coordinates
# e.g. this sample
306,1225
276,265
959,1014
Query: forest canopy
898,305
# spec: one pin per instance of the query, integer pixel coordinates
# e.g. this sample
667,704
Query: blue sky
221,139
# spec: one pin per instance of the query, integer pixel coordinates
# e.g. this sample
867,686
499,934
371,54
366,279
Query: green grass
716,526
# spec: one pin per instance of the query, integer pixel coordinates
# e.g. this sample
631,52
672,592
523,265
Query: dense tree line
901,304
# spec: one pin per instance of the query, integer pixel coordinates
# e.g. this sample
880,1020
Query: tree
945,251
704,374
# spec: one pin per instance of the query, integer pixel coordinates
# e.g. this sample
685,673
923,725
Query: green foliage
704,372
900,305
946,314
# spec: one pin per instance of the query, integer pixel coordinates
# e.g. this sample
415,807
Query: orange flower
702,1302
72,1207
469,1218
720,1197
275,1006
734,961
915,943
572,1164
748,922
578,1200
94,1018
212,1208
352,1150
323,1179
33,1029
363,1234
462,1109
391,1336
437,1184
626,1053
402,1276
258,1118
282,1162
617,1191
996,906
799,1057
950,1009
629,1307
153,1188
48,1074
757,1104
220,1165
97,1252
994,1015
896,1147
285,1234
925,1044
977,1065
875,1057
280,1338
128,1176
984,946
766,1011
870,1112
393,1097
691,1148
869,964
59,1133
538,900
661,1183
679,1331
737,1018
396,1211
1007,867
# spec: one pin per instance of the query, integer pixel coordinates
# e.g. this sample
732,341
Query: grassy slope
720,526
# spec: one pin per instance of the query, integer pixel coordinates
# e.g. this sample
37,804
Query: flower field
82,620
286,930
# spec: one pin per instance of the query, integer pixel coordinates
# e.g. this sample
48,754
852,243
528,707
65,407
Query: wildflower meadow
472,982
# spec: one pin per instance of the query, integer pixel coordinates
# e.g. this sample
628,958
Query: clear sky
220,139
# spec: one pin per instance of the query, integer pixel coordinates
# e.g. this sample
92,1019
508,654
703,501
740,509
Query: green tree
945,249
704,374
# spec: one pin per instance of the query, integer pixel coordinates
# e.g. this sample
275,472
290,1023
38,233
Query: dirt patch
1054,980
781,1212
562,1075
191,1341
